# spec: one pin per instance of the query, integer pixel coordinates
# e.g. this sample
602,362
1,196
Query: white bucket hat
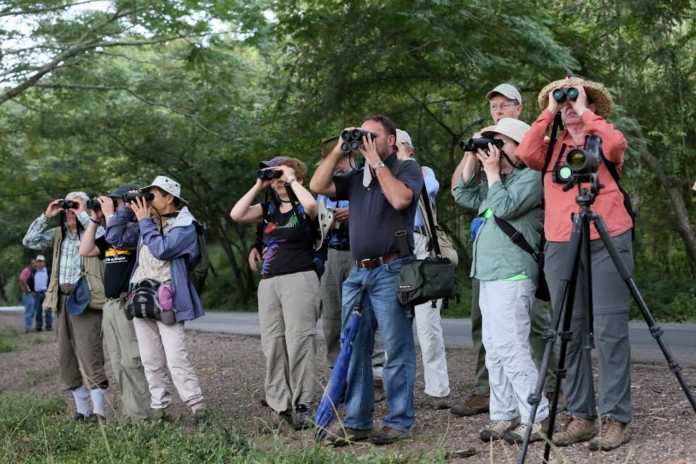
403,137
513,128
168,185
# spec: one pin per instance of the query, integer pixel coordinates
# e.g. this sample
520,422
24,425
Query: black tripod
580,243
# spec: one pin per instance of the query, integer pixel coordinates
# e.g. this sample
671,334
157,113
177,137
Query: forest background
94,94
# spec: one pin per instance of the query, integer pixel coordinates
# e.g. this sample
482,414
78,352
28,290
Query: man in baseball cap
504,101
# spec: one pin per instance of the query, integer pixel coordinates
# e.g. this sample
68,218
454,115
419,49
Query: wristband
379,164
94,220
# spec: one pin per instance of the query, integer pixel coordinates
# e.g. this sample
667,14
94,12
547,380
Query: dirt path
232,372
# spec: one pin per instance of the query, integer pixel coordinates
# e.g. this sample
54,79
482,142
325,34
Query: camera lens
346,135
576,160
357,134
345,147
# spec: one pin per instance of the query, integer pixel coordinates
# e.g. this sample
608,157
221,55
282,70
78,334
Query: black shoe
387,436
48,328
79,417
301,417
39,329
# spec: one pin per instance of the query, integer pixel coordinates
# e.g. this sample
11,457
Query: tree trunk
678,208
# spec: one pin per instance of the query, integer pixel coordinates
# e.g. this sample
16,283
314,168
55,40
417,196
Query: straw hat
596,92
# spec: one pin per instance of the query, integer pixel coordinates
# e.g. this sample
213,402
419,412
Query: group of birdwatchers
122,279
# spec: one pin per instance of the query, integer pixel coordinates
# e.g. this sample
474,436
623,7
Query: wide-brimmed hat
168,185
596,92
509,127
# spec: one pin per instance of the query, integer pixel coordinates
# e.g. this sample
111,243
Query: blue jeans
380,309
28,303
38,311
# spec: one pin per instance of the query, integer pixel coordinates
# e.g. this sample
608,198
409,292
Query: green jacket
517,199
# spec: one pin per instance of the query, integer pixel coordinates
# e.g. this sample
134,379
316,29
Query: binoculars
480,143
352,139
269,174
131,196
68,204
561,95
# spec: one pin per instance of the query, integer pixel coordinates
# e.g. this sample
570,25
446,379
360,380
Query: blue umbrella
335,390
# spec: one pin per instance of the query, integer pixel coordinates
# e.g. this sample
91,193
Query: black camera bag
432,278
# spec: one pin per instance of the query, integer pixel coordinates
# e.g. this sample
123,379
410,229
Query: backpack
198,270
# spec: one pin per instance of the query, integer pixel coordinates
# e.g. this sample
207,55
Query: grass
8,338
38,430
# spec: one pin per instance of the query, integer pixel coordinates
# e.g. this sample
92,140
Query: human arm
243,211
469,194
398,194
88,246
322,180
121,231
254,259
465,170
308,202
23,280
532,148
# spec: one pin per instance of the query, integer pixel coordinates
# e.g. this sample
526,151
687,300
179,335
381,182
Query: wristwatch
379,164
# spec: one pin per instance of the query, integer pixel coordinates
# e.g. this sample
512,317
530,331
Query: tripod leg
565,309
655,330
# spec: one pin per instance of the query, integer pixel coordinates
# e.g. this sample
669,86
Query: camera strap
557,123
516,237
435,244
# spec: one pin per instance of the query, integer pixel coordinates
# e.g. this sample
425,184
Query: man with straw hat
584,114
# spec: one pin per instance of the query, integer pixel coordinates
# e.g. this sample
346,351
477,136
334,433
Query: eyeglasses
504,106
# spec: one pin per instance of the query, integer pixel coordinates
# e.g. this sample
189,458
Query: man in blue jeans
383,198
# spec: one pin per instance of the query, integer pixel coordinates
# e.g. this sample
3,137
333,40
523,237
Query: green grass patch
8,340
38,430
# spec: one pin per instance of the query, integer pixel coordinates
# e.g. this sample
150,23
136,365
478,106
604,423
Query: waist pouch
422,280
150,299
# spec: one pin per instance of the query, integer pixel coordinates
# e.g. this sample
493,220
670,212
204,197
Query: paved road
681,338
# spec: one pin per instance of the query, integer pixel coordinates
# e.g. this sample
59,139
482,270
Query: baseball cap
121,190
510,127
273,162
403,137
168,185
508,91
40,258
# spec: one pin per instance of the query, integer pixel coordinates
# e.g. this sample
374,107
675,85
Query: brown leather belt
371,263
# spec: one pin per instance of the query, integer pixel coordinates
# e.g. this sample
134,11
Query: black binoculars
131,196
352,139
269,174
68,204
561,95
480,143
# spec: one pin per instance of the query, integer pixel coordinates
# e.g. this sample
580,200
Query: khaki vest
93,267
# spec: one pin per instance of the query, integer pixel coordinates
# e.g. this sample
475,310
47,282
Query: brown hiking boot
475,404
575,431
338,435
612,434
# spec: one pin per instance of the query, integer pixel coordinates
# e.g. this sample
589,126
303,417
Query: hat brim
160,187
600,96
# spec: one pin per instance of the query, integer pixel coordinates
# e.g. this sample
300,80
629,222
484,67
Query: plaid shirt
38,238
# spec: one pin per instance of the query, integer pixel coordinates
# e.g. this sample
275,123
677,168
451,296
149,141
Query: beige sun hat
599,94
510,127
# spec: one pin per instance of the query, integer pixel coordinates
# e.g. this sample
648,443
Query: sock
81,397
97,395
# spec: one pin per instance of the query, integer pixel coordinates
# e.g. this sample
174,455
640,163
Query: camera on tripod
581,163
480,143
352,139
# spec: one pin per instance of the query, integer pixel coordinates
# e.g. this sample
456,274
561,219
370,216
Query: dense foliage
97,93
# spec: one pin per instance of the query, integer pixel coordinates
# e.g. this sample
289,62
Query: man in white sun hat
510,197
167,240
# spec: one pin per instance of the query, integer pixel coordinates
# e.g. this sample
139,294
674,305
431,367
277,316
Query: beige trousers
288,314
164,354
80,351
122,347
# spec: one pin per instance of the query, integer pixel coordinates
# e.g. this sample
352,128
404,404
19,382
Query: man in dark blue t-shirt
383,199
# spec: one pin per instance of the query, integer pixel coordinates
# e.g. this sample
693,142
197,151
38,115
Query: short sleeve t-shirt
118,266
373,221
288,242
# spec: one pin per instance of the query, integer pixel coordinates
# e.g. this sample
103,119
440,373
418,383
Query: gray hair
73,195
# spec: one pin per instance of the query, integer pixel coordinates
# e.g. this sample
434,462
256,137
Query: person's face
40,264
569,116
343,166
502,107
161,200
33,263
509,147
383,142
